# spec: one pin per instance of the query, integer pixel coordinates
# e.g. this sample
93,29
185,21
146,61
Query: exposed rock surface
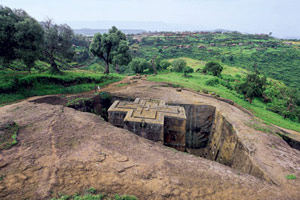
61,150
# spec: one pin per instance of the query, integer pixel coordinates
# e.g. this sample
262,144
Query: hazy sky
282,17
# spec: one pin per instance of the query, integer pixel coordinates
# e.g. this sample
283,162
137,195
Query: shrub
178,65
213,67
198,70
238,76
138,65
164,64
226,84
187,70
254,86
212,82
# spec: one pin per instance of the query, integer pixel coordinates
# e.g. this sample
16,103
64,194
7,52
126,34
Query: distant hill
278,59
91,32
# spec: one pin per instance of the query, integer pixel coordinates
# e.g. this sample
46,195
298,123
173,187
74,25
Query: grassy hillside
211,84
19,85
278,59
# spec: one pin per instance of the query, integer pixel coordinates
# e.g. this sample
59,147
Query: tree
288,105
122,55
21,37
187,70
57,44
154,67
111,47
138,65
30,36
165,64
178,65
81,40
157,61
213,67
254,86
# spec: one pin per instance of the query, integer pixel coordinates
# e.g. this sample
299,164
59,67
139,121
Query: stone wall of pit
225,147
199,122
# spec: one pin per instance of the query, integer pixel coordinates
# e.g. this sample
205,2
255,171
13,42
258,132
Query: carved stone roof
147,110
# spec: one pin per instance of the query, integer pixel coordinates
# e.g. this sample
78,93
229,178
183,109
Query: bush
178,65
212,82
226,84
213,67
254,86
187,70
164,64
138,65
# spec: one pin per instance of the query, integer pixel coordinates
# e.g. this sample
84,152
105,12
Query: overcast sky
282,17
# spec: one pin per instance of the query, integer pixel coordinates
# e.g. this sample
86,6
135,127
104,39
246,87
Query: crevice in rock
290,141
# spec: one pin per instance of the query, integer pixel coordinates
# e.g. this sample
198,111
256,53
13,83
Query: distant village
137,38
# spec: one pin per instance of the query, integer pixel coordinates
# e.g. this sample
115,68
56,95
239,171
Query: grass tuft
291,177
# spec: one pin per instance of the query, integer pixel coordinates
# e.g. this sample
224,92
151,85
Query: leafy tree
81,40
138,65
158,60
111,47
284,101
81,45
164,64
254,86
187,70
178,65
213,67
122,56
81,56
57,44
21,37
154,66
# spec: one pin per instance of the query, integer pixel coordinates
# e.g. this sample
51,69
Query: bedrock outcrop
64,151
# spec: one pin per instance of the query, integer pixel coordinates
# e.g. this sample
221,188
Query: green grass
195,64
95,67
227,70
260,127
9,138
198,83
37,84
77,101
291,177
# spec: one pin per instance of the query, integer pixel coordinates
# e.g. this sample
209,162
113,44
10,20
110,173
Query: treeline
25,40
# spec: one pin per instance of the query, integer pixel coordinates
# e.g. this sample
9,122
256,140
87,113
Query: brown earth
61,150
